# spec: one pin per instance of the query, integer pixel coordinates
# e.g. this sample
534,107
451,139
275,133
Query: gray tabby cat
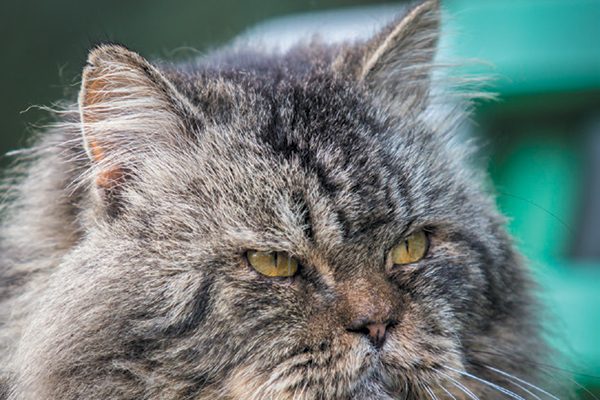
257,225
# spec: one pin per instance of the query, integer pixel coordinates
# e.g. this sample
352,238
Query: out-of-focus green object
535,45
544,56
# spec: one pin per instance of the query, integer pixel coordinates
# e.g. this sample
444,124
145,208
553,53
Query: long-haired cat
261,225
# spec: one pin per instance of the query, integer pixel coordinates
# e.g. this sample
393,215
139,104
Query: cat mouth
342,368
329,371
357,373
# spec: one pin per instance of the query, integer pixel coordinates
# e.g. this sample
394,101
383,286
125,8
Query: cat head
202,177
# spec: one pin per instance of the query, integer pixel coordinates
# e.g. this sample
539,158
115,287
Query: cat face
323,155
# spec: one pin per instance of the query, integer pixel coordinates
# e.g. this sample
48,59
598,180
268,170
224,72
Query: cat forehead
314,94
315,120
311,111
268,135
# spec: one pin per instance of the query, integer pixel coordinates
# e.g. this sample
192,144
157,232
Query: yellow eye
411,249
273,264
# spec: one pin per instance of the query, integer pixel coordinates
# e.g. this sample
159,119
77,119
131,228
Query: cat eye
272,264
412,249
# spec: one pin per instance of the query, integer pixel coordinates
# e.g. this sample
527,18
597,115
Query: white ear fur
398,62
126,108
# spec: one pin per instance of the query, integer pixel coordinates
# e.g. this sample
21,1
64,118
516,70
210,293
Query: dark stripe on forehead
287,137
304,213
304,124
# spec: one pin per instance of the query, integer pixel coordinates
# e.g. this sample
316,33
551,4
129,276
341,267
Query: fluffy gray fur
123,271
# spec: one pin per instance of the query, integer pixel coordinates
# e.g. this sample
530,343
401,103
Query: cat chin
359,372
327,371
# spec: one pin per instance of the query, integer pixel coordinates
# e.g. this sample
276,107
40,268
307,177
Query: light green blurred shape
538,184
535,45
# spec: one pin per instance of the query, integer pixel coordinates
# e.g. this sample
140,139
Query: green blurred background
540,141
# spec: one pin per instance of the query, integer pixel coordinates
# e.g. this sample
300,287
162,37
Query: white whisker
488,383
523,388
430,392
524,382
460,386
447,392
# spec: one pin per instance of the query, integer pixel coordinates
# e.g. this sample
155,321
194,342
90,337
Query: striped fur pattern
123,273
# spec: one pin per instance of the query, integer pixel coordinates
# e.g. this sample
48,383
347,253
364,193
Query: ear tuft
126,106
397,63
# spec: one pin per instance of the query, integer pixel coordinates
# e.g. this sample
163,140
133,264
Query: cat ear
397,63
127,107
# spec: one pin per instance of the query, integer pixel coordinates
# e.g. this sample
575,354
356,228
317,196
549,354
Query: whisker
567,227
523,388
546,368
447,392
580,386
542,365
524,382
460,386
488,383
430,392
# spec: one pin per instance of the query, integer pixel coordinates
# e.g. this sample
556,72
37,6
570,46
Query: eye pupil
412,249
272,264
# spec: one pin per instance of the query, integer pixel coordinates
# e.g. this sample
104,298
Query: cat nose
376,331
368,307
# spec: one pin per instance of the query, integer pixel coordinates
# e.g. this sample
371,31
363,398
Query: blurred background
540,140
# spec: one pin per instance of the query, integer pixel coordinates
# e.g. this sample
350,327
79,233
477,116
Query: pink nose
374,330
377,333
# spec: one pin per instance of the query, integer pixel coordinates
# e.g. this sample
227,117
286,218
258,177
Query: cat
262,225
